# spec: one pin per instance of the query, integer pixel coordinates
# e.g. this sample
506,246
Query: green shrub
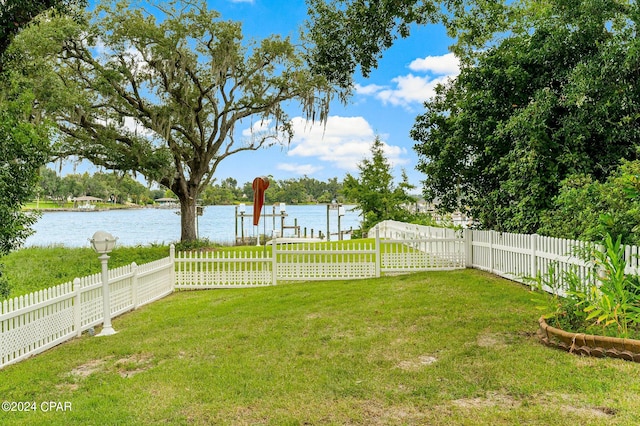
5,287
611,302
562,312
606,301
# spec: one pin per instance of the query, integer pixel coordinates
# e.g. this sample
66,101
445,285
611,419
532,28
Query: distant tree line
304,190
123,188
108,186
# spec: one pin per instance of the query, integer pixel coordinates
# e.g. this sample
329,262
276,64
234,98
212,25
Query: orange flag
260,184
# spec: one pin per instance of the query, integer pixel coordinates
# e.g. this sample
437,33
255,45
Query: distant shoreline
83,209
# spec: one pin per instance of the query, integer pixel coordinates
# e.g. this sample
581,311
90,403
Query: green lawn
423,349
37,205
37,268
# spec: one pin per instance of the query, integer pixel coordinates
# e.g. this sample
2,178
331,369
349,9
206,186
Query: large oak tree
162,92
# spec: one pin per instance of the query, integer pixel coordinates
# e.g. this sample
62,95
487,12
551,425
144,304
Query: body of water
147,226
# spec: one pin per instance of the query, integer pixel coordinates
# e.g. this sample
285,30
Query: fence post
172,255
491,250
274,264
468,248
534,262
378,259
134,284
77,309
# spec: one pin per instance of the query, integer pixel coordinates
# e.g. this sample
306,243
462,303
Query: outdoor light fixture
242,208
283,207
103,242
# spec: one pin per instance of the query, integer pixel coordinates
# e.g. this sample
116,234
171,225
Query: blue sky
385,104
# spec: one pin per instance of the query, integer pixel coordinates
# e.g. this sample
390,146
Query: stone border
588,344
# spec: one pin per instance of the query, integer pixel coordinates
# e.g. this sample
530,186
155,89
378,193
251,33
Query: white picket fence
513,256
36,322
317,261
206,270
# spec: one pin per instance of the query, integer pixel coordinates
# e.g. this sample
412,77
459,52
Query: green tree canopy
24,145
163,96
557,96
23,150
587,209
17,14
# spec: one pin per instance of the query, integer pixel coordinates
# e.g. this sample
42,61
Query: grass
33,205
37,268
436,348
49,205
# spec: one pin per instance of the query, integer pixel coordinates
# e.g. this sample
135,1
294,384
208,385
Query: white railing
407,231
409,247
38,321
513,256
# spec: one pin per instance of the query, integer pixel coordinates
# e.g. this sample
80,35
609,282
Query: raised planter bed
589,344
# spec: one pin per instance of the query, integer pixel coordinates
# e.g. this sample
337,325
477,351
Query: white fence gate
319,261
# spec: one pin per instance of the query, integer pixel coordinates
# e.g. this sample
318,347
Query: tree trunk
188,219
187,193
187,216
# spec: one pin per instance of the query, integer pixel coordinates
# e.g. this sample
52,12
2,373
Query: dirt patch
68,387
416,364
125,367
88,368
601,412
493,399
375,413
491,340
134,364
572,404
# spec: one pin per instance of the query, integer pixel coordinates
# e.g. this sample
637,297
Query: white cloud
369,89
299,169
344,142
412,89
439,65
